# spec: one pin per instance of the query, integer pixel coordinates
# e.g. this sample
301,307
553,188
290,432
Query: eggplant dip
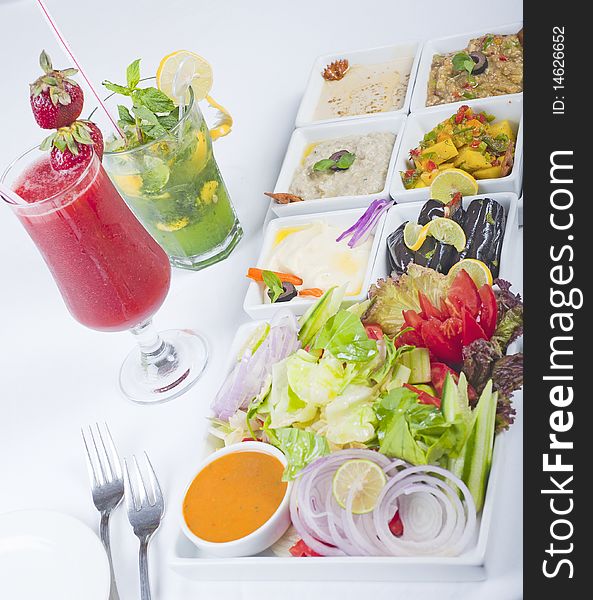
491,65
347,166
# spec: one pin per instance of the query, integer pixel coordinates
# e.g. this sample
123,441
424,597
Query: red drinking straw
62,40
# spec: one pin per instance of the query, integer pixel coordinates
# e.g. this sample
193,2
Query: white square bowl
310,100
304,136
189,561
254,304
445,45
508,107
400,213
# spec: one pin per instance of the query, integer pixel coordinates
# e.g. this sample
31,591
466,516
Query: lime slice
450,182
447,231
365,478
183,69
414,235
475,268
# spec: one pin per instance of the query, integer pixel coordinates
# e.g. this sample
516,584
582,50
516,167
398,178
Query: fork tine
89,461
131,501
101,453
144,501
155,488
111,452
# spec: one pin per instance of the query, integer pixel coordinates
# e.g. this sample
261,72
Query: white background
55,375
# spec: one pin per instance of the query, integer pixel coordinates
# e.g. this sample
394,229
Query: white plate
410,211
189,561
254,304
508,107
411,50
446,45
46,555
304,136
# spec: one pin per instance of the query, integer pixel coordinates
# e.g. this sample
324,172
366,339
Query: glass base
200,261
167,372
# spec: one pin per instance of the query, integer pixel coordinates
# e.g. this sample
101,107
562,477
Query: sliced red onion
248,376
436,509
360,231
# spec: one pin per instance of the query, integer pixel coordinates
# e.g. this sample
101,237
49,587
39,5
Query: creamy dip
311,252
367,174
365,89
503,75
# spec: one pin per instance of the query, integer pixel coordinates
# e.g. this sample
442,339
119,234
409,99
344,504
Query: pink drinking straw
62,40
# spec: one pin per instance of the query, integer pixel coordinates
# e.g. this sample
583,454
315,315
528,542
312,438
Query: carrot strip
315,292
256,275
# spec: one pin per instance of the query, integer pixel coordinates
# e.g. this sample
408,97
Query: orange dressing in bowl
234,495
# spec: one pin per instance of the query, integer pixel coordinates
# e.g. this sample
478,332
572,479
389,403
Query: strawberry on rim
73,145
56,100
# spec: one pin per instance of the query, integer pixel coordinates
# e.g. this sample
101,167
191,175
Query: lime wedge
447,231
364,479
448,183
414,235
476,269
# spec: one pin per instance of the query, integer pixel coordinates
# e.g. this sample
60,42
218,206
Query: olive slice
481,62
288,292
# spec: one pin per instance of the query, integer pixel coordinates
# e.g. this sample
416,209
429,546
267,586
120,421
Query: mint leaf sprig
338,161
463,62
153,113
273,283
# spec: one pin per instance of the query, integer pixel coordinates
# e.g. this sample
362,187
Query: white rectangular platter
445,45
406,51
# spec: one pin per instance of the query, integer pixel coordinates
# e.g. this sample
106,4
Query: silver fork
107,483
145,511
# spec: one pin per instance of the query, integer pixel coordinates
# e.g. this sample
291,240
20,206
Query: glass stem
158,358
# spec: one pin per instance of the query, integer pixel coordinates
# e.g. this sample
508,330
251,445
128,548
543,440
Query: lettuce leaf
350,417
393,295
344,336
300,448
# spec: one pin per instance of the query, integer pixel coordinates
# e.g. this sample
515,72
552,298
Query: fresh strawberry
73,145
56,100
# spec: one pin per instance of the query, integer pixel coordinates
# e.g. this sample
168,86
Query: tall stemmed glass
112,274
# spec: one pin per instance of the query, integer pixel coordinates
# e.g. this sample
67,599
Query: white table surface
56,375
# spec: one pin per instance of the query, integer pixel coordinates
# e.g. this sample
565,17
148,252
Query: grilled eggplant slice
435,208
484,225
399,255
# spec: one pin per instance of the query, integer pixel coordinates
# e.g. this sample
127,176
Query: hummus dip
311,252
365,89
502,56
366,175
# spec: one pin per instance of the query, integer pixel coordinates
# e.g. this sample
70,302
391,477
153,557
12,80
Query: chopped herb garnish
488,41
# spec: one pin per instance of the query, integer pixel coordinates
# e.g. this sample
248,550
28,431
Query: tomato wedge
424,397
374,332
438,374
396,526
472,330
442,347
488,310
428,309
464,293
301,549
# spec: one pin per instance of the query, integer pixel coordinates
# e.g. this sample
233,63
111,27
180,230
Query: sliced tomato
396,526
464,292
301,549
488,310
472,330
424,397
374,332
428,309
438,374
446,349
412,319
410,338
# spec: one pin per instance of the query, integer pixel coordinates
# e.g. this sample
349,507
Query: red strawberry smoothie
110,271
